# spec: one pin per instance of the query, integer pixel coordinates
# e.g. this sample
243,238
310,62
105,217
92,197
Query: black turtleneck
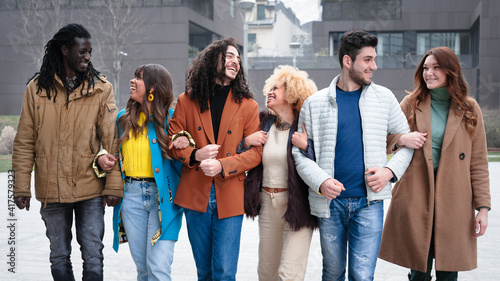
217,102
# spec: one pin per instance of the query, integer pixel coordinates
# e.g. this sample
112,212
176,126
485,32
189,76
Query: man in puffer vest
348,124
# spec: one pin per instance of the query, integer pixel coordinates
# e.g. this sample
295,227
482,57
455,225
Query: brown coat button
157,170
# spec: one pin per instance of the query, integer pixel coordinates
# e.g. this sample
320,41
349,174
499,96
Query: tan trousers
283,253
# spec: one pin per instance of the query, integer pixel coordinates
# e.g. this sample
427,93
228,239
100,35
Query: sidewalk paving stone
32,248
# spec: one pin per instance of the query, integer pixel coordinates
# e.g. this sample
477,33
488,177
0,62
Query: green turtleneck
440,106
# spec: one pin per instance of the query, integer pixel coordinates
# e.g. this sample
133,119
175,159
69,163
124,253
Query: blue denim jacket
167,179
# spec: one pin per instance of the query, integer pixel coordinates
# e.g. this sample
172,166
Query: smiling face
231,66
77,58
433,74
137,88
361,71
276,98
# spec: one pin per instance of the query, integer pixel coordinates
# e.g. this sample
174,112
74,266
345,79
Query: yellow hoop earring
151,97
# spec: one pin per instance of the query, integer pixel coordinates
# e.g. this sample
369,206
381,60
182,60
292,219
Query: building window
404,49
390,43
459,42
252,42
261,12
232,7
334,43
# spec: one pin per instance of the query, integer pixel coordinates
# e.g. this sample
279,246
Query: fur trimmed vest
298,214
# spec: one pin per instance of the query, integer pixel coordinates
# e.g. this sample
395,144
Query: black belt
140,179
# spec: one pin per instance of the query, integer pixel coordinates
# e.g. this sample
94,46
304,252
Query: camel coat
62,138
421,205
238,121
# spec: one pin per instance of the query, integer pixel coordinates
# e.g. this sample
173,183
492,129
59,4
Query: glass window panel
334,43
252,42
383,45
465,43
423,43
396,43
261,12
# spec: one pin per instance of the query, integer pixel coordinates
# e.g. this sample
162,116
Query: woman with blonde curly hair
273,190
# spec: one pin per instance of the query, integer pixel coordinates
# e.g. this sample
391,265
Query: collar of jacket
332,90
77,92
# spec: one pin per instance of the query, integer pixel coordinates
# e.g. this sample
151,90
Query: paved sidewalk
32,250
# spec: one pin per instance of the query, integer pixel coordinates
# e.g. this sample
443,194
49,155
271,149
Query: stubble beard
358,78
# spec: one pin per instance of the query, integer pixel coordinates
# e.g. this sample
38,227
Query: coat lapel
206,120
230,109
455,116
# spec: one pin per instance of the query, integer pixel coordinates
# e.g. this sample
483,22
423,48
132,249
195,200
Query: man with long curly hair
217,110
67,116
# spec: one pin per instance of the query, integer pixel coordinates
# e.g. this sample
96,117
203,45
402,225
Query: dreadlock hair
200,78
455,84
53,62
158,78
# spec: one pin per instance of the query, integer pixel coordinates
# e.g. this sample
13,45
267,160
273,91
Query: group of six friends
214,158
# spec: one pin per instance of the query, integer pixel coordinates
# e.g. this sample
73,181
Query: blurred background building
406,29
127,34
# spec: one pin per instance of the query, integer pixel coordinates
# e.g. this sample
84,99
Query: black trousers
426,276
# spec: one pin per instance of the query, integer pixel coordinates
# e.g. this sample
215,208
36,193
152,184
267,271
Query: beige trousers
283,253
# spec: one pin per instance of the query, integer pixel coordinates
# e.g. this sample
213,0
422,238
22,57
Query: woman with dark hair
273,190
147,217
440,206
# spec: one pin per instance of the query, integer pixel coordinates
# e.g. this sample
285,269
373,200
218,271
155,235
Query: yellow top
137,155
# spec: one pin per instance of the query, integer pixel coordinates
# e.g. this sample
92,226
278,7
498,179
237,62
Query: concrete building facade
174,32
407,29
274,30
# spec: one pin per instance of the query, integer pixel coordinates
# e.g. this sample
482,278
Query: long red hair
455,84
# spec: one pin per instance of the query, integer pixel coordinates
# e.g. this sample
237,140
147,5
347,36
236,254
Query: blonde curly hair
298,85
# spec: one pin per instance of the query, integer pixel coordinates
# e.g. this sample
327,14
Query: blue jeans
355,223
141,220
215,242
89,222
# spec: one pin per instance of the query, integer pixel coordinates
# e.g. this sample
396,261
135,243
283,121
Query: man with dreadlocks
67,120
218,111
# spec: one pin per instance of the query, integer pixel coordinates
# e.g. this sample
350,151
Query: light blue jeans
353,225
215,242
141,221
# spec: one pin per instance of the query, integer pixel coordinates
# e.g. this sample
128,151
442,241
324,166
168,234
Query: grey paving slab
32,251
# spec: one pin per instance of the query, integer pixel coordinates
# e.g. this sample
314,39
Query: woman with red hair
440,206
